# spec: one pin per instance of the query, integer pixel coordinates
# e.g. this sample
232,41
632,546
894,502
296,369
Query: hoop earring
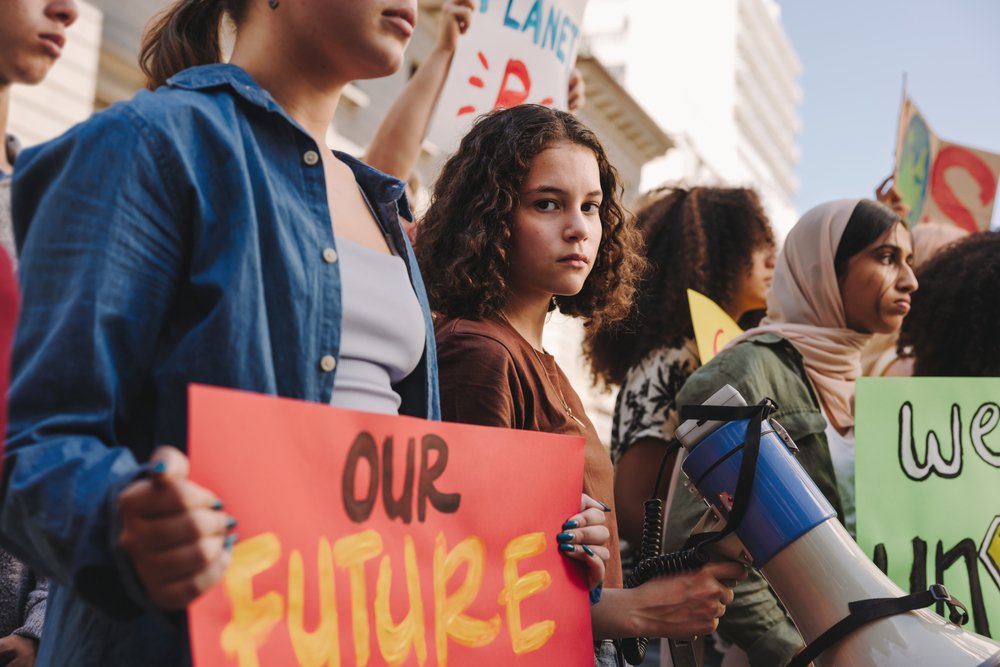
273,4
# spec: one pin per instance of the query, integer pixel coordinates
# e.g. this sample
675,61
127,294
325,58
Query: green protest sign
928,486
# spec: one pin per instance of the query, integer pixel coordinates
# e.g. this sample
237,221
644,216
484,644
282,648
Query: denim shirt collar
380,187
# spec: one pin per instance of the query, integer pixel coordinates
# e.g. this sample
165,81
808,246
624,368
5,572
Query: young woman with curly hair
526,217
955,322
714,240
843,274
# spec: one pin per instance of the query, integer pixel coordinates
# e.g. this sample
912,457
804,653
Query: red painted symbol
515,87
960,158
511,95
715,341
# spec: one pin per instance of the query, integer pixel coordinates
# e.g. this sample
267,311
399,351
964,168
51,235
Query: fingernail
568,548
587,550
159,468
231,523
230,540
217,505
570,524
607,508
564,537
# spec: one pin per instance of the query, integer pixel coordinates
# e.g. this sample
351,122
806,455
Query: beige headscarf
804,307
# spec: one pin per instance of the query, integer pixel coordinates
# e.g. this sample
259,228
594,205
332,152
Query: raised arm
397,141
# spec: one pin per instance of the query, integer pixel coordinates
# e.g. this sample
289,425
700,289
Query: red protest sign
375,540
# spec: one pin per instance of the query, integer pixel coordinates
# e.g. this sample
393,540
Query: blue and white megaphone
847,611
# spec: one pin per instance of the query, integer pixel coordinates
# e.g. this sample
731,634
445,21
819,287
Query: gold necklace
550,381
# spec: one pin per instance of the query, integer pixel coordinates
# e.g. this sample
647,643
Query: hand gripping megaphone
847,611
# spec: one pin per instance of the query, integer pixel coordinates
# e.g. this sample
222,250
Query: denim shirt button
328,363
329,255
310,158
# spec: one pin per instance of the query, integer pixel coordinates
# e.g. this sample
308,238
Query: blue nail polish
607,508
587,550
230,540
568,548
159,468
570,524
564,537
217,505
231,523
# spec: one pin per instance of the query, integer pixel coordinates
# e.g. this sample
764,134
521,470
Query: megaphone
833,592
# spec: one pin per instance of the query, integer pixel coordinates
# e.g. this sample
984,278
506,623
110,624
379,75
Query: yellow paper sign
713,328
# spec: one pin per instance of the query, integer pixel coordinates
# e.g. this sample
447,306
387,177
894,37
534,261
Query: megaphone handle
863,612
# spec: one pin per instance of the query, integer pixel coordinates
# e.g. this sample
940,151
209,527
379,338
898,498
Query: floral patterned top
646,405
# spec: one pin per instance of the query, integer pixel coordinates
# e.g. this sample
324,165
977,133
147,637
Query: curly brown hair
702,239
954,325
464,239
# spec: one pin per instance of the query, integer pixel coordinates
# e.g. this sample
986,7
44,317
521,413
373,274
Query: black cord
672,448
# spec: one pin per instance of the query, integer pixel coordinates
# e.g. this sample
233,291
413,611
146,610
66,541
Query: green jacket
764,366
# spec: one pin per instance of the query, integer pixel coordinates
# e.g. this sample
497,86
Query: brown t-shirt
491,376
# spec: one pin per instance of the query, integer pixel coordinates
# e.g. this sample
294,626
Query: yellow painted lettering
321,647
519,587
253,618
394,640
351,553
449,619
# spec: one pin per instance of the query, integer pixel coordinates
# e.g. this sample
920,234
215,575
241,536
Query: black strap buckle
939,593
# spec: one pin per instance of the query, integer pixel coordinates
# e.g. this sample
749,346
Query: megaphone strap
748,466
863,612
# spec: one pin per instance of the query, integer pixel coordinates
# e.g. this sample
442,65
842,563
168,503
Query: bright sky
854,54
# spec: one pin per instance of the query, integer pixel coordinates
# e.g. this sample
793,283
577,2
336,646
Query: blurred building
721,78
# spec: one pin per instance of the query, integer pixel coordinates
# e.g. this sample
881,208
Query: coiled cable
653,564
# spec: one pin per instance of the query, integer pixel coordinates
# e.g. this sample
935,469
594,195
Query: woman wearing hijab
843,275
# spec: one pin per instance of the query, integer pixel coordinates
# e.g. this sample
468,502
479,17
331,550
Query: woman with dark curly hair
714,240
954,326
526,217
844,274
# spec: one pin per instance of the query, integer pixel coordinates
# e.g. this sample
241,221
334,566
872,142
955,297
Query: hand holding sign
587,530
456,16
174,532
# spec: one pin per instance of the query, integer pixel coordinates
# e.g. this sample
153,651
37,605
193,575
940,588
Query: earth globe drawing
914,167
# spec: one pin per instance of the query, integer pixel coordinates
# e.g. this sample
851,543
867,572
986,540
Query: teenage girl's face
32,37
557,223
359,39
877,285
751,291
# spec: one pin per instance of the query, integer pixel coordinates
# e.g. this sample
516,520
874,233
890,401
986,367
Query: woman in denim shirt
200,232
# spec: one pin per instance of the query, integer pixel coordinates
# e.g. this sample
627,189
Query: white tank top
382,334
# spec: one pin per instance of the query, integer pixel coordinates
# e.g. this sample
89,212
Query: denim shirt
183,236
